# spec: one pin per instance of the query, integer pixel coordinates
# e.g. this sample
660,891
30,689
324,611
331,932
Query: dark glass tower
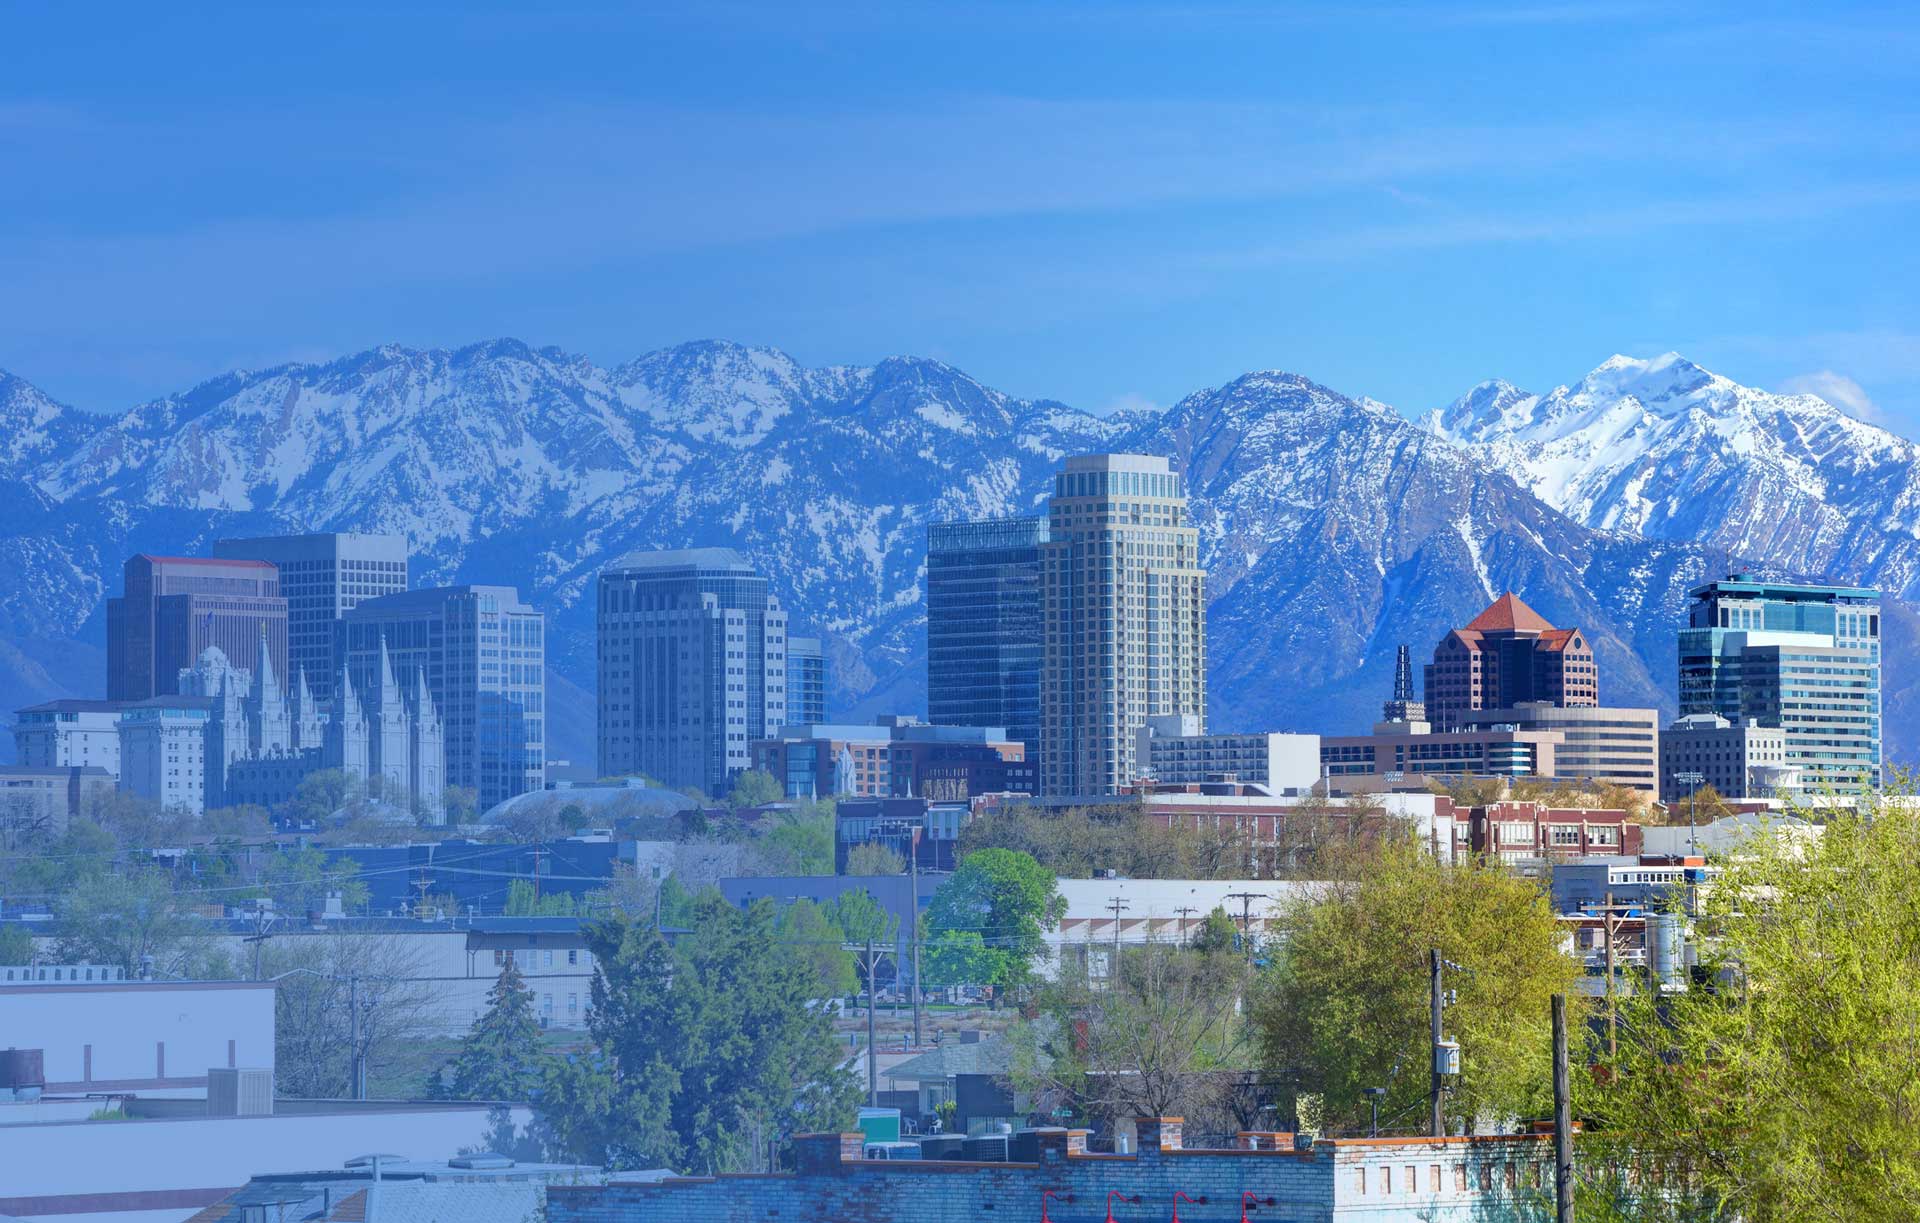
984,642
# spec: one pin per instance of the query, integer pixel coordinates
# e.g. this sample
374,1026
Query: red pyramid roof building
1509,614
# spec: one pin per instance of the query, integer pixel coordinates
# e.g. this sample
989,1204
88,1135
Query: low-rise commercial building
1512,831
1600,743
1355,1180
69,734
1740,761
896,757
924,833
1175,752
46,799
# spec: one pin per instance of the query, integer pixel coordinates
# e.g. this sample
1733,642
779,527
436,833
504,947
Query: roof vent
480,1160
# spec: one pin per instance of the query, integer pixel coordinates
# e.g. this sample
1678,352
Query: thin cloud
1840,391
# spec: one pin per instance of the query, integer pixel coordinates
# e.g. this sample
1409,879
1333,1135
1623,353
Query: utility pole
1562,1117
1437,1124
873,1073
1118,906
357,1065
1185,911
1246,900
1607,928
913,899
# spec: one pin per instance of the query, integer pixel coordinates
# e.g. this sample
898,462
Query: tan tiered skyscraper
1125,618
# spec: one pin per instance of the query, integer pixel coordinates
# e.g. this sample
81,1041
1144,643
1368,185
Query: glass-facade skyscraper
1125,619
1803,658
806,681
692,666
323,577
484,655
984,628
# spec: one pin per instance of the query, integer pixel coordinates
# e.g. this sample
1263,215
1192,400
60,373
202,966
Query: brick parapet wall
1350,1181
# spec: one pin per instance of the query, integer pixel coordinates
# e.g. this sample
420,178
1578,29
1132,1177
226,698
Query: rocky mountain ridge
1335,528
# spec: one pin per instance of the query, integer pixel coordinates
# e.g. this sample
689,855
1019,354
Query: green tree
1344,1004
809,932
298,881
957,957
800,841
1785,1080
462,804
1217,933
1164,1038
502,1057
860,917
1010,901
525,900
754,788
704,1048
16,945
133,920
873,858
320,794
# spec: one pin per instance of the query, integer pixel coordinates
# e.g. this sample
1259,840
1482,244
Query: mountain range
1335,528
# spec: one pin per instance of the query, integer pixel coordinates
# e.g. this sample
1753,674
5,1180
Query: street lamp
1692,782
1374,1095
1051,1193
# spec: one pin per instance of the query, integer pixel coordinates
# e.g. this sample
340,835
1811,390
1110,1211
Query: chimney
1157,1134
1057,1143
1265,1140
823,1154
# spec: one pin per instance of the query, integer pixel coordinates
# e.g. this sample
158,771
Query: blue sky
1105,204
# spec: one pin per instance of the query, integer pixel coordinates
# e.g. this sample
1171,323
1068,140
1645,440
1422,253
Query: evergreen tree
502,1057
705,1047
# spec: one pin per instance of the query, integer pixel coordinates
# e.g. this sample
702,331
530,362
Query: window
1360,1180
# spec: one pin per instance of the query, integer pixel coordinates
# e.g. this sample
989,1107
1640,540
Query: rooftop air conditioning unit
240,1091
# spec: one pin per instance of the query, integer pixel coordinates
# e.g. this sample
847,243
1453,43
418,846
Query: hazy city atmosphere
1262,613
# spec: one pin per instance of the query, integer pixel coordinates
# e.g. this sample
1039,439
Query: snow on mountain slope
1334,528
1667,450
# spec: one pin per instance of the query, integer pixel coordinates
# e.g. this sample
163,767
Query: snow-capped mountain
1668,450
1335,529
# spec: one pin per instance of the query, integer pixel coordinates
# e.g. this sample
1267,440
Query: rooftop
1509,614
682,558
71,705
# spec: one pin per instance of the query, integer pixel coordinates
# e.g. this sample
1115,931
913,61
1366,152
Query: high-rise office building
1124,614
173,607
1805,659
1508,655
482,653
984,643
692,666
806,681
322,578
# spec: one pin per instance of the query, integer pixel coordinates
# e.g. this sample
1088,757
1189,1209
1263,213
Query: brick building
1514,830
1445,1180
1508,654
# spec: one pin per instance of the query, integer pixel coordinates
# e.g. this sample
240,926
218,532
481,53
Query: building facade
806,680
1124,614
1410,751
692,666
173,607
895,757
1747,760
1507,655
481,654
924,833
1176,753
163,750
1597,743
1805,659
1512,831
69,734
257,742
47,798
985,641
322,578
